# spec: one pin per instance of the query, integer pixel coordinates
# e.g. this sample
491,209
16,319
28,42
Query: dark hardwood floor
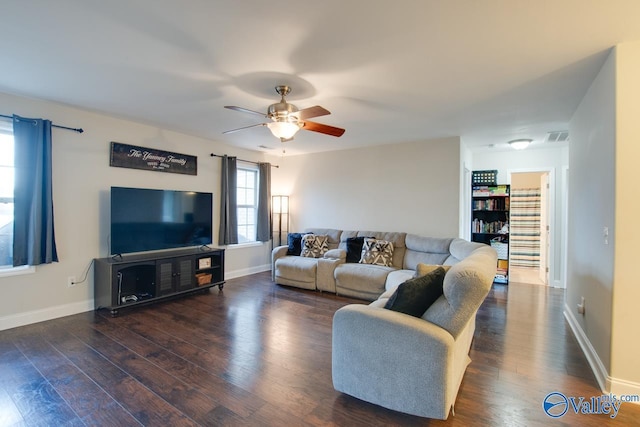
260,354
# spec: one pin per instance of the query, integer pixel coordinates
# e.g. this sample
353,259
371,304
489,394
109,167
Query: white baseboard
246,271
592,357
620,387
29,317
607,383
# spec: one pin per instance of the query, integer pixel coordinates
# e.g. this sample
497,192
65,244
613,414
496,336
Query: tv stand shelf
131,280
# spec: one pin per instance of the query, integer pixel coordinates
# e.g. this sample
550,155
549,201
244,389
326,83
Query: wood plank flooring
260,354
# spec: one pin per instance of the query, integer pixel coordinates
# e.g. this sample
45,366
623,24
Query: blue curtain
228,233
34,240
263,225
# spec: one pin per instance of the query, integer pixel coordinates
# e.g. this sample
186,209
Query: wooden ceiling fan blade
307,113
326,129
244,127
244,110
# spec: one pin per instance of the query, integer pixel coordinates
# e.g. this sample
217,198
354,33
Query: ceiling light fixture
520,144
283,130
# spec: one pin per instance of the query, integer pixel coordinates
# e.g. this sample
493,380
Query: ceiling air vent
558,136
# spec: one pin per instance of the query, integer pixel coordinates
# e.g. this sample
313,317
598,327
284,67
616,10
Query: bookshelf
490,223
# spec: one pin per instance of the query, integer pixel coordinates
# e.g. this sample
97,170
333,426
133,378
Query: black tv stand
138,279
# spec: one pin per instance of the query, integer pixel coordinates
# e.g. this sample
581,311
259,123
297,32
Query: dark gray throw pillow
416,295
354,248
294,243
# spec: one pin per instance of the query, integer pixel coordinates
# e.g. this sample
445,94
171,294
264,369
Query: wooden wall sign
134,157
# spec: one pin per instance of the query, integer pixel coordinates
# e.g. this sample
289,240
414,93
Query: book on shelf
496,191
481,226
481,192
500,190
490,205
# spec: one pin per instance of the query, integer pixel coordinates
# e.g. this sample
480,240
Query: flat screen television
145,220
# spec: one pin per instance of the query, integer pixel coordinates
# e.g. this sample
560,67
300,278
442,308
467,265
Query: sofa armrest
276,253
336,254
413,356
326,278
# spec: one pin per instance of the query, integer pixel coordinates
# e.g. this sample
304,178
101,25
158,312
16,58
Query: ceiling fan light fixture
283,130
520,144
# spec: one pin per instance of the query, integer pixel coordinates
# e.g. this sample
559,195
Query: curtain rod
79,130
246,161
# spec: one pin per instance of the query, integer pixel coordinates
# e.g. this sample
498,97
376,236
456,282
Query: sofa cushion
395,278
297,268
294,242
377,252
423,269
314,246
354,248
415,296
361,280
426,250
460,249
332,234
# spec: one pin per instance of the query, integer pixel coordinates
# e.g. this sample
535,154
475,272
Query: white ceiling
389,71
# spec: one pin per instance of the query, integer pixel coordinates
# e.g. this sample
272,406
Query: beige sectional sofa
401,362
332,273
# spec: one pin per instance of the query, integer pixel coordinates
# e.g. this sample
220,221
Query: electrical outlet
581,306
71,281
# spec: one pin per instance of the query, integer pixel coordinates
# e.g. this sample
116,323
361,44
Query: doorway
529,240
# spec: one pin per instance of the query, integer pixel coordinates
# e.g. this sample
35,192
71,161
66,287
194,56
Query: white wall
552,159
81,182
591,207
412,187
466,169
626,295
603,181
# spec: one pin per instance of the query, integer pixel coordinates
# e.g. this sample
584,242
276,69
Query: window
6,197
247,193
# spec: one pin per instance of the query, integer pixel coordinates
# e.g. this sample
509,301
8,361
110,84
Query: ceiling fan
286,119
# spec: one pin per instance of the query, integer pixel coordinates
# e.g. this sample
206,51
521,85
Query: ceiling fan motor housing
281,112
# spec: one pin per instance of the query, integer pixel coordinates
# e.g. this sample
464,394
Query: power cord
86,273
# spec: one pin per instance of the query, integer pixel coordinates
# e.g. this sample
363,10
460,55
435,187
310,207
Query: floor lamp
280,217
